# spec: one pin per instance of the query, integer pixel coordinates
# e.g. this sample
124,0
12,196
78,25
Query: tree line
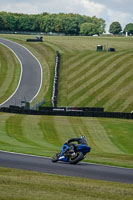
116,28
71,24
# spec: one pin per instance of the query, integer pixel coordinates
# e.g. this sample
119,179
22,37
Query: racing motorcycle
69,156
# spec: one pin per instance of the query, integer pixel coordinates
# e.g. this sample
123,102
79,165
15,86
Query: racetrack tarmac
85,170
31,75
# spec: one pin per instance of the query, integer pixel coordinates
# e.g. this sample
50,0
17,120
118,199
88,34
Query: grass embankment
87,77
94,79
25,185
9,73
110,139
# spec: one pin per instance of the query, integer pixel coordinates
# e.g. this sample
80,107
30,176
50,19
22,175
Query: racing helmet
82,136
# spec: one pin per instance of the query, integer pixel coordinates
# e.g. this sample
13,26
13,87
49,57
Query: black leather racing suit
79,140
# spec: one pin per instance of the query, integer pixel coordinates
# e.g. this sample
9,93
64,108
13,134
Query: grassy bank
110,139
18,184
94,79
87,77
10,70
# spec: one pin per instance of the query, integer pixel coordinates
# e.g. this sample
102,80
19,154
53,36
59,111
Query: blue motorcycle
72,157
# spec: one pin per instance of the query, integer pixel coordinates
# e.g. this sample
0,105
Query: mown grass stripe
113,84
127,105
107,67
69,59
95,82
14,130
64,74
82,70
10,83
72,70
67,65
115,102
119,92
63,129
120,133
100,100
4,139
34,135
49,132
88,68
92,70
55,47
118,106
78,130
3,66
5,134
100,137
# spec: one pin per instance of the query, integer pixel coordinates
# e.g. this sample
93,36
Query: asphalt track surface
85,170
30,78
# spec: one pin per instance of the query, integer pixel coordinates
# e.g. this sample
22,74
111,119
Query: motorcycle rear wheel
78,157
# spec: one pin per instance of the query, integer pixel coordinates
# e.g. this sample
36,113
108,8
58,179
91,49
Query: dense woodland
71,24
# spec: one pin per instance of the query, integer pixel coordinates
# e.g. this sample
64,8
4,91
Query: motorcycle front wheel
78,157
55,158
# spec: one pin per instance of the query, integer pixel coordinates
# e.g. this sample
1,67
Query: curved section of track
85,170
31,75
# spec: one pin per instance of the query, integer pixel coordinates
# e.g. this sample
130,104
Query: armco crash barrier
56,80
76,109
69,113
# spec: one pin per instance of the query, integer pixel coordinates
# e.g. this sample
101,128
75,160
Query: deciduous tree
88,29
129,28
115,28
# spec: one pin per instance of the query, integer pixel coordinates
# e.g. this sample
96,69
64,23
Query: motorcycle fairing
83,148
63,158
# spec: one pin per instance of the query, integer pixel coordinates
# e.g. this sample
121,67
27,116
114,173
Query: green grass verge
9,73
110,139
25,185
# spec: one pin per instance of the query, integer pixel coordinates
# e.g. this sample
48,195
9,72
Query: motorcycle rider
72,147
80,140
